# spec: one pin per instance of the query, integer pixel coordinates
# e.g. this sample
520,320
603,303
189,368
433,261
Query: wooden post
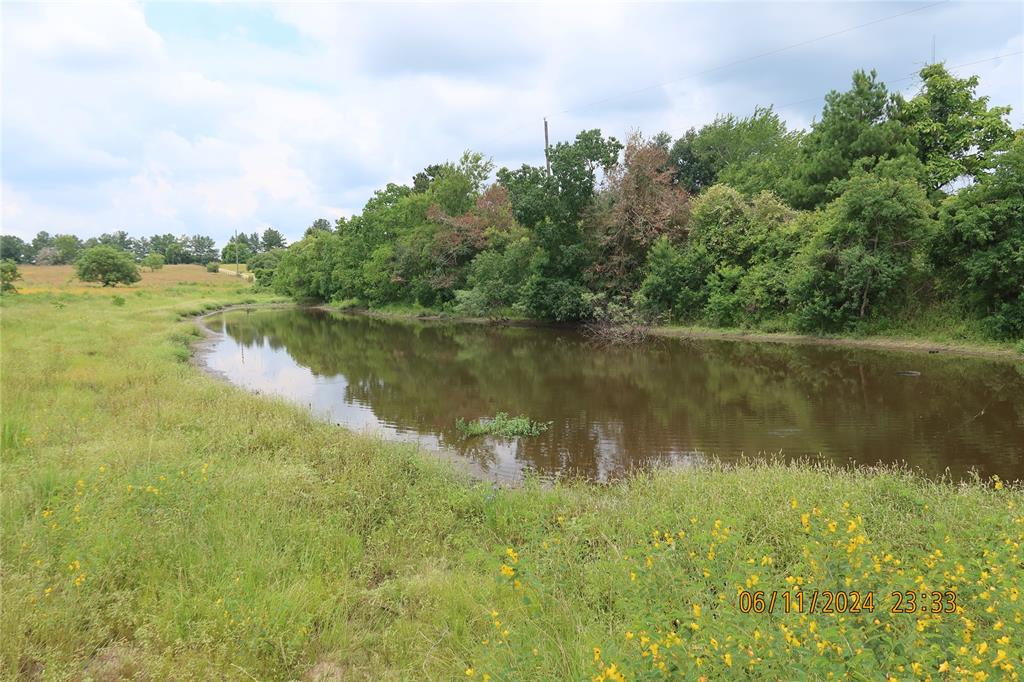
547,158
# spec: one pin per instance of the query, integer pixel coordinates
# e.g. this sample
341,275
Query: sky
196,118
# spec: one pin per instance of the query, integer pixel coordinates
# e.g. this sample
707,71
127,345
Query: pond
668,401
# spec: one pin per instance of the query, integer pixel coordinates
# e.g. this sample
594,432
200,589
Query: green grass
502,425
158,523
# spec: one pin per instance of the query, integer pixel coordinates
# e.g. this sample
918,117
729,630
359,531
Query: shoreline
696,332
910,345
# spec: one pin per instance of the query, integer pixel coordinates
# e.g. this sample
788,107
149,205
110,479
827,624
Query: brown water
668,401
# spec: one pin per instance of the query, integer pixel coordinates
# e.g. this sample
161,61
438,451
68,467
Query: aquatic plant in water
502,425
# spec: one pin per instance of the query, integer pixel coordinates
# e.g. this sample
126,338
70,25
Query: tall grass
158,523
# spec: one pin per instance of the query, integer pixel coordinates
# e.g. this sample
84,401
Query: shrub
9,273
213,266
153,261
106,264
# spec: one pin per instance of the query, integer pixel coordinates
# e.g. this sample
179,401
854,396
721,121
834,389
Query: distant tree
119,239
8,275
496,277
306,270
48,255
319,225
955,132
263,266
202,249
141,247
272,239
165,245
15,249
68,246
41,240
107,264
253,240
153,261
236,252
422,180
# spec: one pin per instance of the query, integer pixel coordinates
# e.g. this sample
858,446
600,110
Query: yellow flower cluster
942,606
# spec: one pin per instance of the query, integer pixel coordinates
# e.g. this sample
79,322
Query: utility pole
237,273
547,158
933,48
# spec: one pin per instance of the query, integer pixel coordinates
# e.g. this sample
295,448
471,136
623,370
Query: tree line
64,249
886,207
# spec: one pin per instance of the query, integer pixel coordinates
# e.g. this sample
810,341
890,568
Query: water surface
670,401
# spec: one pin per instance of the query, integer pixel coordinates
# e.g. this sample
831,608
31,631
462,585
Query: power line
751,58
905,78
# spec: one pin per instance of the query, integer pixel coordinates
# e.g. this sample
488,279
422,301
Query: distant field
40,278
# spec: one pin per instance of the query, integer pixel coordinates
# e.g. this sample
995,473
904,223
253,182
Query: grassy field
158,525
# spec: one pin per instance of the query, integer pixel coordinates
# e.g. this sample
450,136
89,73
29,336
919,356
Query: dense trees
750,154
859,256
886,205
980,247
63,249
15,249
738,223
152,252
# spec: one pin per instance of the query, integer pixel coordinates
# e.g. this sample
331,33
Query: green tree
68,246
858,128
119,239
666,275
15,249
732,269
153,261
861,254
263,266
980,247
319,225
236,252
551,206
41,240
496,278
272,239
106,264
201,249
421,181
310,268
955,132
751,154
9,274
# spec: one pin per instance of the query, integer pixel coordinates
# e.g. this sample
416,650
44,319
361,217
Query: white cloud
114,118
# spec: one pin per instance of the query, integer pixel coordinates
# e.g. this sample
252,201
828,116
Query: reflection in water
669,401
